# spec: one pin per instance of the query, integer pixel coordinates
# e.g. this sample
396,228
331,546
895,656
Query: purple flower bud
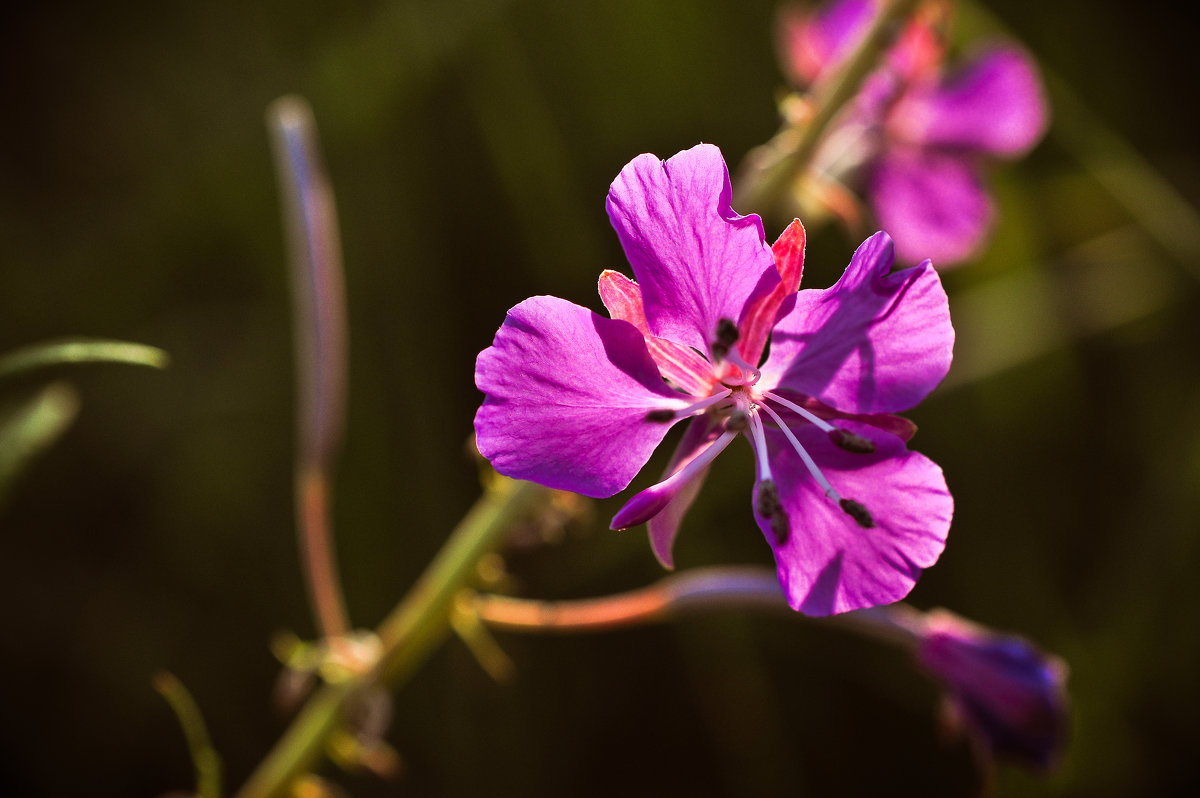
1005,691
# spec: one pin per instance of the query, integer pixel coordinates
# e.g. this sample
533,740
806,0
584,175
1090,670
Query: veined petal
772,300
874,342
993,104
696,261
932,202
683,366
567,393
829,563
665,526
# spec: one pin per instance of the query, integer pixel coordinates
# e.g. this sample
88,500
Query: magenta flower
1009,695
918,137
579,402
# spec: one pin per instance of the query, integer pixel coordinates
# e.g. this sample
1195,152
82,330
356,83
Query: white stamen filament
703,404
804,455
701,460
758,441
808,415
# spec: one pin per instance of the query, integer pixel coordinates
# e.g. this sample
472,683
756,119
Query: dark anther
727,336
851,442
767,505
737,421
858,513
661,415
767,502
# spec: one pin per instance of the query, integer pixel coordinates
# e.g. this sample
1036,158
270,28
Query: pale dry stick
204,757
319,323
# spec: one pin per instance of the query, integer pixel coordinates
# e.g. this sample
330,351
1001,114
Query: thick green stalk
790,152
408,634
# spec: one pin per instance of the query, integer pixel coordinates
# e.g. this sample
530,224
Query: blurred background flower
471,144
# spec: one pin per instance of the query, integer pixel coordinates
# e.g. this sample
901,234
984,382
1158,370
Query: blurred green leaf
80,350
32,428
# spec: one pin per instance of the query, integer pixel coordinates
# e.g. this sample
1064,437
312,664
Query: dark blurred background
471,144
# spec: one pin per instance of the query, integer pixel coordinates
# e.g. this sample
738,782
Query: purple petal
872,343
994,104
567,393
933,203
829,563
696,261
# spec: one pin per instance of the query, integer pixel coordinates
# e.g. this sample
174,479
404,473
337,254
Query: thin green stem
33,427
408,634
204,756
773,168
80,350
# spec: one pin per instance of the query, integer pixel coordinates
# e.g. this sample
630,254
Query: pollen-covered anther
727,336
850,442
768,506
857,512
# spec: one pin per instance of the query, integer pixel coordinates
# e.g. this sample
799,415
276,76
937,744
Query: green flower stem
774,167
80,350
204,756
408,634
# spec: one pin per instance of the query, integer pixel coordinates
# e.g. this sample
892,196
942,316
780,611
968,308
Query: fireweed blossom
917,137
578,402
1001,689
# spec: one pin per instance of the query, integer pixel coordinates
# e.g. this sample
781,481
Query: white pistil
751,375
804,455
758,440
700,461
653,500
807,415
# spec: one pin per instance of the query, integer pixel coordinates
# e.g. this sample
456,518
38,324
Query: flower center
737,404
